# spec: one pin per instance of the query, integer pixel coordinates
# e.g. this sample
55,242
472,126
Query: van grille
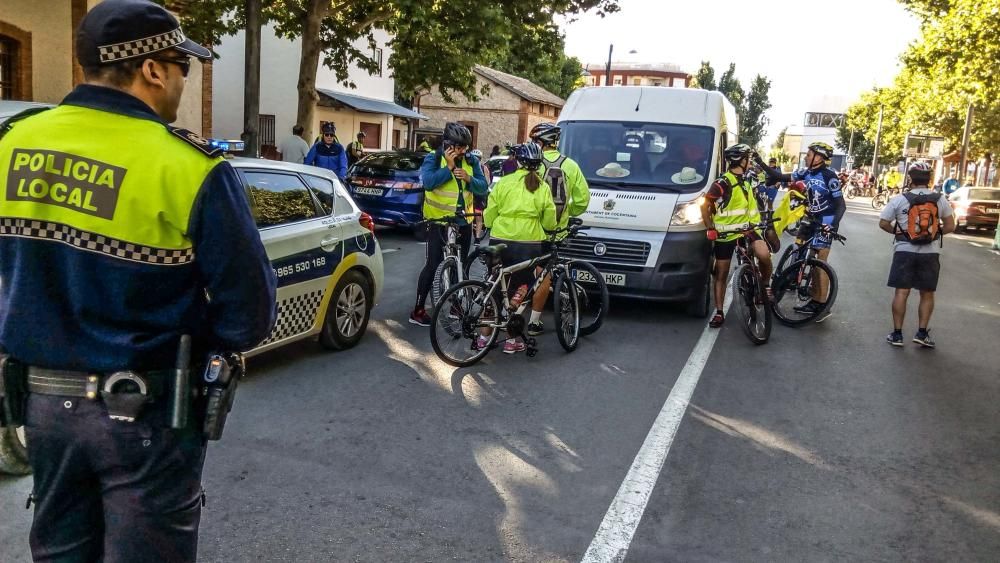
618,251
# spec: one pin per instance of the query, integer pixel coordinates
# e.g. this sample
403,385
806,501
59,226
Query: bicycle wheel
592,298
850,193
445,276
467,311
783,261
567,311
751,305
793,290
878,202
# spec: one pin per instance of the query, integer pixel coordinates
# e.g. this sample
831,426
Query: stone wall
493,127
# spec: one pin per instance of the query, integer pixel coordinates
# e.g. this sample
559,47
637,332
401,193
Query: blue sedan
387,187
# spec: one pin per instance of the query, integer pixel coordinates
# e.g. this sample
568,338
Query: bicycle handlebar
448,220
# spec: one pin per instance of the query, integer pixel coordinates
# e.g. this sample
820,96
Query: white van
649,154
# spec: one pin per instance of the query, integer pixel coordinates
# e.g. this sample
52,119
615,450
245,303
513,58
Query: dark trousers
112,491
436,241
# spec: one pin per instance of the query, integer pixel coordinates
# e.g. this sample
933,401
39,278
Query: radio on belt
222,373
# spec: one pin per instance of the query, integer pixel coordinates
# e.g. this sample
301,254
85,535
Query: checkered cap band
140,47
296,315
93,242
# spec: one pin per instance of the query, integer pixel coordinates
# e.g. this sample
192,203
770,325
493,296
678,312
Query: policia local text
67,180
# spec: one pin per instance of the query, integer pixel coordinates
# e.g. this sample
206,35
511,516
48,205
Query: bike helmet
919,172
545,133
736,153
476,153
456,134
329,129
528,155
822,149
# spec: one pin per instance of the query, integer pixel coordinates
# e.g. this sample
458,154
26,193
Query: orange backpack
923,226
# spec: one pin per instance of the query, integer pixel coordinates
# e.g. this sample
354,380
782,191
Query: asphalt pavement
824,444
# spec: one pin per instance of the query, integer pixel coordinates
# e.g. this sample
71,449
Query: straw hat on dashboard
613,170
687,175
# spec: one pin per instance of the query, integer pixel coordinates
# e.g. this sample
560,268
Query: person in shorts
914,266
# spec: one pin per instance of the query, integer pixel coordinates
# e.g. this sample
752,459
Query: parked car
387,187
323,250
975,207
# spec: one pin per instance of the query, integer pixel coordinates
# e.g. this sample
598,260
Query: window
278,199
636,82
638,155
373,134
323,190
377,57
8,68
265,130
618,80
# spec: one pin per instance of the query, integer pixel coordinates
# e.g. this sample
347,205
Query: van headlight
688,214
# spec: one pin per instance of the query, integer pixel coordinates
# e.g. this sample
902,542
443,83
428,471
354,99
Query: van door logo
609,204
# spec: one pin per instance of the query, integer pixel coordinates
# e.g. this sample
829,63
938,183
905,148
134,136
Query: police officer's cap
118,30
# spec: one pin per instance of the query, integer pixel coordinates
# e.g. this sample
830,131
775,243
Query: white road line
615,534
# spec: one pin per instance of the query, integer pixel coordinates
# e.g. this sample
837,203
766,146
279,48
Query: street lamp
607,70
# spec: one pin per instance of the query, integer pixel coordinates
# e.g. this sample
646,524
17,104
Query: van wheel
13,451
347,314
700,306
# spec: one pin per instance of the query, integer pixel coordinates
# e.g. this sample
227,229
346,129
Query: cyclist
893,179
826,207
450,181
570,194
519,211
731,204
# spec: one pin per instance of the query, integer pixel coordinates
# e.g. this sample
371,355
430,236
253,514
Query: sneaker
895,339
420,317
513,346
480,343
825,314
807,309
923,338
535,328
717,320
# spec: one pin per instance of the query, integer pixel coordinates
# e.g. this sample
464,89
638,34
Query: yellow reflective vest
442,201
104,197
732,217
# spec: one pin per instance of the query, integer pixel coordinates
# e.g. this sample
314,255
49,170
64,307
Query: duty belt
123,392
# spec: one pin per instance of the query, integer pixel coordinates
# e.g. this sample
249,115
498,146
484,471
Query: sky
818,55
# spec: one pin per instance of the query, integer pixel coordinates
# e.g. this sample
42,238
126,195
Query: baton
182,385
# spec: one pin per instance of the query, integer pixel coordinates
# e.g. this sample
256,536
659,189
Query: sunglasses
183,62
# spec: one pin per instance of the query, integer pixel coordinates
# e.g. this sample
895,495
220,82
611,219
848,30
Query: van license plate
609,278
993,210
369,191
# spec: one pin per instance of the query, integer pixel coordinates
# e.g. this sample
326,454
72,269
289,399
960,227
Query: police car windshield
640,156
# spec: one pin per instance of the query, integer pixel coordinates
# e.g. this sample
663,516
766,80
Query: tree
750,108
862,149
705,77
753,122
548,66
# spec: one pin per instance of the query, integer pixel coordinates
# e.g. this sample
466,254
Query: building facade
637,74
369,107
38,59
505,114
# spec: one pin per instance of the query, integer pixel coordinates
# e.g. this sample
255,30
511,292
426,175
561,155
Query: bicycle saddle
493,249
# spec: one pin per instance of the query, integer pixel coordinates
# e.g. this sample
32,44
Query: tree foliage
752,108
546,64
953,64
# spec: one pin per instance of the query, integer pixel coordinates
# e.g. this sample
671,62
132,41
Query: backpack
923,226
556,180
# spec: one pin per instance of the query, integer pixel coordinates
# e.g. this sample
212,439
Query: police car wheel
348,312
13,452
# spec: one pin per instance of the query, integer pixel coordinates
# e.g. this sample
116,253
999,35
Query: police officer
118,235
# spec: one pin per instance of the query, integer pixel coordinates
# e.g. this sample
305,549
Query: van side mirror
575,221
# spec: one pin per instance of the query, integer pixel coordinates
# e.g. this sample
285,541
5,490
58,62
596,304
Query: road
825,444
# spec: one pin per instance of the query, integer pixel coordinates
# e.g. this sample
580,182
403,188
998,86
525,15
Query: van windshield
644,156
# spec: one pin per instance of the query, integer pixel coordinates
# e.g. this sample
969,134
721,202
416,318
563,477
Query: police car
323,250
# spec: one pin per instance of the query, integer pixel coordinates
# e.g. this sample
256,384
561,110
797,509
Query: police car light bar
228,145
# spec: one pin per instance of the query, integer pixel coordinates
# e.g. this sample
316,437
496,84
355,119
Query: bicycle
881,198
749,295
451,269
471,315
592,291
792,284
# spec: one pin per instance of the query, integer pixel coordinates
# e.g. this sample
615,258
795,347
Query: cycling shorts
723,250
